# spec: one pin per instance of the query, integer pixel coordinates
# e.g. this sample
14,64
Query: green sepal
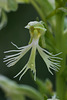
12,5
48,41
3,4
42,42
3,18
8,5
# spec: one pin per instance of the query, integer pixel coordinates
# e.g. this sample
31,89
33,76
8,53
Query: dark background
16,33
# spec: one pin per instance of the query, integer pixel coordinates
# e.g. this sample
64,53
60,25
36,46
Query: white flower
52,61
53,98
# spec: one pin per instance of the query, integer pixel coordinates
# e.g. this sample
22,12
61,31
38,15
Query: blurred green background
16,33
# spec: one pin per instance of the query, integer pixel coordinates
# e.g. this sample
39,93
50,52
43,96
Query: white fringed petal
13,59
49,59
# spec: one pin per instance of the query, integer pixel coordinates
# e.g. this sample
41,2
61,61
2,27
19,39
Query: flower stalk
60,79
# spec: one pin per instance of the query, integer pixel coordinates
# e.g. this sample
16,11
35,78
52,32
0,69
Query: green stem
60,80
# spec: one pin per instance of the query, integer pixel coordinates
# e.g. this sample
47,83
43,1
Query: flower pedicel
36,29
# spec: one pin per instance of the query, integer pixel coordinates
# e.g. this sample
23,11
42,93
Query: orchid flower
36,29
